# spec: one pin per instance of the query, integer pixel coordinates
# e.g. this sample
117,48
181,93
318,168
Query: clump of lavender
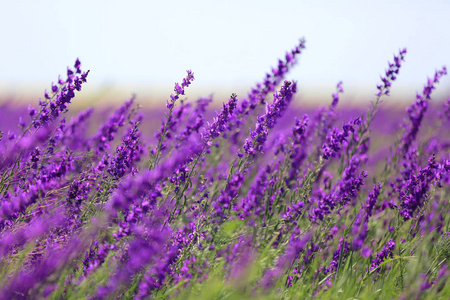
210,213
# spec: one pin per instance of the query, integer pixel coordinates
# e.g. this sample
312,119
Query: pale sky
145,45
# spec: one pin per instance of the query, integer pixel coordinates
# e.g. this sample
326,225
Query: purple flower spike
220,123
101,142
417,111
413,193
387,252
391,73
56,103
167,124
371,200
337,138
267,121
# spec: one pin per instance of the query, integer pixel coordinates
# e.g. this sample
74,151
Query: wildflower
126,153
391,73
195,121
417,110
220,123
338,255
386,252
146,245
179,90
267,121
294,249
56,104
106,133
413,193
333,147
259,93
371,200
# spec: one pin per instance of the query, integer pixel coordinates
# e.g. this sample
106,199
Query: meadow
256,200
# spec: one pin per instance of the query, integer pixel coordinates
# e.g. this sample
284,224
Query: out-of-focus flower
386,252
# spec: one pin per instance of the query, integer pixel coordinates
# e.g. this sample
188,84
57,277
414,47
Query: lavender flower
267,121
338,255
34,230
294,249
253,201
22,284
134,187
391,73
71,134
345,190
259,93
179,90
220,123
224,202
155,277
106,133
359,231
195,121
338,137
325,117
56,104
177,116
126,153
413,194
446,107
385,253
12,206
417,111
298,152
371,200
147,244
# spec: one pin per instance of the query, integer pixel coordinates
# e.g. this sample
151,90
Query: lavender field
257,199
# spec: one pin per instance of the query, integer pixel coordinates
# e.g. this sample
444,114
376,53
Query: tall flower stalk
179,91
